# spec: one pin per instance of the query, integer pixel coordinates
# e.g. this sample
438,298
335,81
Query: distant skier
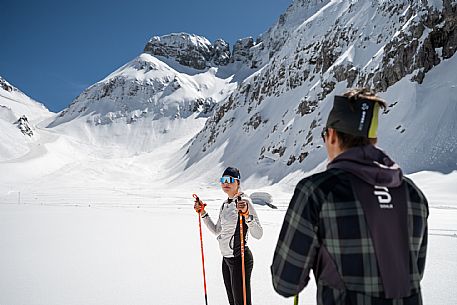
360,225
227,229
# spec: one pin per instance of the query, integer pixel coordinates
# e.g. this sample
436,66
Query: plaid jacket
326,223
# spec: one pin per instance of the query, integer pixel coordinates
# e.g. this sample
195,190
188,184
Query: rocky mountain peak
197,52
148,89
189,50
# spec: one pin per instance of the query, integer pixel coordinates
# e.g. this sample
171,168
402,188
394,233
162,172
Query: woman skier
227,228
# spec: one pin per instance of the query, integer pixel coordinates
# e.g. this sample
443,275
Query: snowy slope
270,125
20,104
18,134
420,129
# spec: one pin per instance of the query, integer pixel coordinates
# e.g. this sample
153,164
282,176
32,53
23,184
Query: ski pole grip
198,199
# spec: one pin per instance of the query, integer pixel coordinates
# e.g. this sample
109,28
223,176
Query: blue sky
53,50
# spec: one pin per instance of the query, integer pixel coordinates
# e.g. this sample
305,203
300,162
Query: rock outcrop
190,50
198,53
5,85
23,124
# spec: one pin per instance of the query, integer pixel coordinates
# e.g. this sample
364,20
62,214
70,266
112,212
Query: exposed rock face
221,53
23,124
198,53
190,50
425,37
5,85
242,50
431,38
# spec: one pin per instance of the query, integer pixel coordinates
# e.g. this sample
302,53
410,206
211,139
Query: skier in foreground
360,225
227,229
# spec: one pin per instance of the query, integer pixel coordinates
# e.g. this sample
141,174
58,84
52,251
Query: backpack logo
384,197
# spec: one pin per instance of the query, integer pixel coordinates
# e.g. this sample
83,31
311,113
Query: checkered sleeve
423,246
419,220
422,254
297,244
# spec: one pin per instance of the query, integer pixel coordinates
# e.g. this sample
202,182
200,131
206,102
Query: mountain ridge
343,44
264,102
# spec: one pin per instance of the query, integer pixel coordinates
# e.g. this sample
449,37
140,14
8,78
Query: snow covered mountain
84,193
146,87
261,104
179,78
403,49
18,116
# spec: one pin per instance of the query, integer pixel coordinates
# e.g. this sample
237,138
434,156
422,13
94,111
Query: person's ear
332,138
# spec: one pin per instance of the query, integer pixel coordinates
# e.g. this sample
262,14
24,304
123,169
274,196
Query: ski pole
242,256
201,243
242,259
296,299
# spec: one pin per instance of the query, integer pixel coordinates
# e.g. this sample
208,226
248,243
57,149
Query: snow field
150,254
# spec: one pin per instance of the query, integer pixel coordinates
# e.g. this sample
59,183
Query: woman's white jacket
227,227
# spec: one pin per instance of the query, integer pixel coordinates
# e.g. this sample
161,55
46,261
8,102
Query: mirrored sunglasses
227,179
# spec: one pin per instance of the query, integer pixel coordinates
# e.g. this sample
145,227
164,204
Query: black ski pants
231,270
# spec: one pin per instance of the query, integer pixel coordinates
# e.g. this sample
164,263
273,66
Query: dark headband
355,117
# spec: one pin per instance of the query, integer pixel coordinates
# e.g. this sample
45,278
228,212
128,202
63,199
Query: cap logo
365,107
